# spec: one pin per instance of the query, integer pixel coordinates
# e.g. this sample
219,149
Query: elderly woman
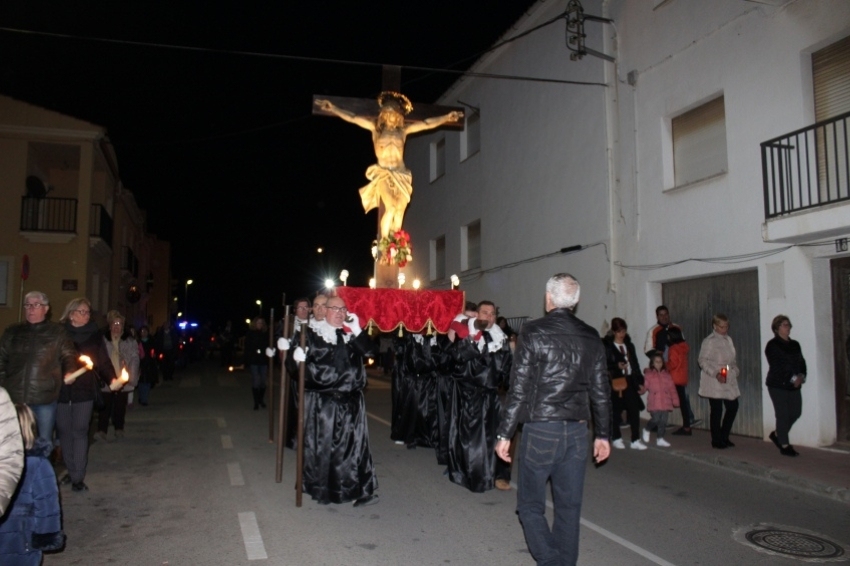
785,376
719,380
76,399
123,354
623,362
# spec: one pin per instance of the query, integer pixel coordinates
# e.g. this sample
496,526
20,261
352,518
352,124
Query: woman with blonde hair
719,380
77,397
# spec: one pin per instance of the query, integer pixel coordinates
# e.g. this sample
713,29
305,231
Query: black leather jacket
559,373
34,358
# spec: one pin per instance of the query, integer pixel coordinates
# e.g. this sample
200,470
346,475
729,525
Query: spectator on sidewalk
668,338
256,342
785,377
623,363
660,401
719,380
124,355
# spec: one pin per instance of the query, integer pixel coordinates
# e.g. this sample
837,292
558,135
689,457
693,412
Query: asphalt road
192,483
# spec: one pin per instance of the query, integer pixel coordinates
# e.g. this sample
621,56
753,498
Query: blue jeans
555,451
45,418
258,375
144,390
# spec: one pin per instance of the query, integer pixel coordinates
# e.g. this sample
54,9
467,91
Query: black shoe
695,422
774,439
788,451
80,486
729,444
719,445
411,446
66,480
366,500
683,432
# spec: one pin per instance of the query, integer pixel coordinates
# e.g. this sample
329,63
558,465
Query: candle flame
86,361
125,377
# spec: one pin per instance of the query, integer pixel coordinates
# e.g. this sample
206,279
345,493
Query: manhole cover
791,542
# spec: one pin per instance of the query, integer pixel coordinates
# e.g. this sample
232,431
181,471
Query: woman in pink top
661,400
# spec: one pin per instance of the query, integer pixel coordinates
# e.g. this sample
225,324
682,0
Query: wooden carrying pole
281,413
299,449
270,376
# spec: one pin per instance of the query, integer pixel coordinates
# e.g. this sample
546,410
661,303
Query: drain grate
792,542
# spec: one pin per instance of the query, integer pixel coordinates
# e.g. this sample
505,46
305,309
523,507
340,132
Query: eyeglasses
117,323
338,309
30,306
82,312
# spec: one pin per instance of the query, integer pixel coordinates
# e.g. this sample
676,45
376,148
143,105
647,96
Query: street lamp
329,284
186,297
260,307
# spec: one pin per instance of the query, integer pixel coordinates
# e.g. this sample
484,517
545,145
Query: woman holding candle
785,376
719,380
76,397
124,358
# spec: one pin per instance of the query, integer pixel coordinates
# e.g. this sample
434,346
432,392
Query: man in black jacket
559,374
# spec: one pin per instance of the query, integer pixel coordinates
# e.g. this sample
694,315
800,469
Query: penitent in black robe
475,411
441,353
415,391
337,461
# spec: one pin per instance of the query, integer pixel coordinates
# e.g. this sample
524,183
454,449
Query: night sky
220,147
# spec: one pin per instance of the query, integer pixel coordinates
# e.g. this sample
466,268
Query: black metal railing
807,168
129,261
100,224
48,214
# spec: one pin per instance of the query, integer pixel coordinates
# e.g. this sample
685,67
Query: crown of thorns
398,98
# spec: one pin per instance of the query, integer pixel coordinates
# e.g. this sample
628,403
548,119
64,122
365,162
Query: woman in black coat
623,362
785,376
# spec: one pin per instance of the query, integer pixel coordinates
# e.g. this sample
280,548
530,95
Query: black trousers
788,406
114,409
72,428
720,429
629,402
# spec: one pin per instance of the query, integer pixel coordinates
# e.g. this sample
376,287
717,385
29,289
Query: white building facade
652,174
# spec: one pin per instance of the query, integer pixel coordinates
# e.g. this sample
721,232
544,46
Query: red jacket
677,363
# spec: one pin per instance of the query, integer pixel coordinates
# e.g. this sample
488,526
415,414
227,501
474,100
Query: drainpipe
612,122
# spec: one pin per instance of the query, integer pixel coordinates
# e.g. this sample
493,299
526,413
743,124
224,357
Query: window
699,143
470,246
470,139
438,258
438,159
5,280
831,80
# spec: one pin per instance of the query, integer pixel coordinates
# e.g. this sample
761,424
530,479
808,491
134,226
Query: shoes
145,404
79,486
411,446
638,445
399,442
624,425
618,443
644,435
119,434
788,451
367,500
503,485
729,444
66,480
775,440
661,443
683,432
101,436
695,422
718,445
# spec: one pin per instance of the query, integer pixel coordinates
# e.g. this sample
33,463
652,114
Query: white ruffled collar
498,337
328,332
420,339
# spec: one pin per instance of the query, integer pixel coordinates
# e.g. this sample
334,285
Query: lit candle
125,377
70,378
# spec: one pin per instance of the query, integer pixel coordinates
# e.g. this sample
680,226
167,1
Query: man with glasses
35,357
338,464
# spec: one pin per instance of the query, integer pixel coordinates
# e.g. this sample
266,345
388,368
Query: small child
32,523
661,400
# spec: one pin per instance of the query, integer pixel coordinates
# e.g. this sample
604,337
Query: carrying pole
270,377
282,409
299,449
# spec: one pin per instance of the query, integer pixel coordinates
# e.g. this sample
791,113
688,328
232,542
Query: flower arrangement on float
395,249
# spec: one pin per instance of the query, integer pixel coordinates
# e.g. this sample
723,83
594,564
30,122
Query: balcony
100,230
806,178
49,220
129,261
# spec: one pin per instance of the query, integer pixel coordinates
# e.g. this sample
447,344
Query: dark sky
220,148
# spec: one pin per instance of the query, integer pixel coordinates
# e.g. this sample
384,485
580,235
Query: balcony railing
129,261
806,169
48,215
100,224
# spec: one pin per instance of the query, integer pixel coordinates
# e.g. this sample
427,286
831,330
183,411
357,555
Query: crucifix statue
390,182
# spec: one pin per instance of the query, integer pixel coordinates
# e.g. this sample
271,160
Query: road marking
221,422
235,473
621,541
226,441
379,419
254,547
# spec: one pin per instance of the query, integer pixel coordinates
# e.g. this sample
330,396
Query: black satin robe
444,364
337,461
414,392
475,409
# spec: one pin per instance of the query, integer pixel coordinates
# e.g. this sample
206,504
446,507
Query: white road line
379,419
254,547
226,441
221,422
235,473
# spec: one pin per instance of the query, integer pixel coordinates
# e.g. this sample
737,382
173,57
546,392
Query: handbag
619,384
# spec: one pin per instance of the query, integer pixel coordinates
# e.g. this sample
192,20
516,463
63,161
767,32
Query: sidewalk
822,471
